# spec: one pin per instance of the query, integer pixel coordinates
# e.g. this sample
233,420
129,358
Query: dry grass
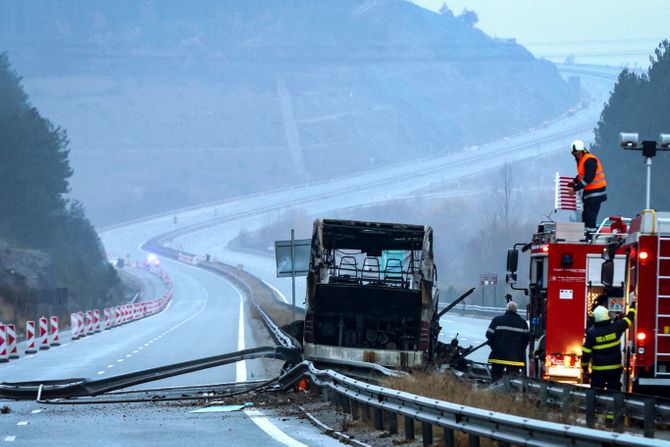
448,387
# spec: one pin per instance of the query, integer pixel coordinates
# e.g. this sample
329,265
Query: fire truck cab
647,281
564,287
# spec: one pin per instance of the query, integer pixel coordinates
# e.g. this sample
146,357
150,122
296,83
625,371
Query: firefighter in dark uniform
591,179
508,337
602,348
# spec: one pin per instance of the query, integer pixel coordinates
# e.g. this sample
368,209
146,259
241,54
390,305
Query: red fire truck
647,280
564,284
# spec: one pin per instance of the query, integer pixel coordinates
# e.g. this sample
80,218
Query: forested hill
291,90
638,103
34,213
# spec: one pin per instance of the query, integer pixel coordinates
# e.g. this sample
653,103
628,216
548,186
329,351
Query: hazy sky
597,31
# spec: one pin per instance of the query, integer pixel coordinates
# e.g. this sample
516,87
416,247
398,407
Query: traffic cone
11,342
44,333
55,339
30,337
4,351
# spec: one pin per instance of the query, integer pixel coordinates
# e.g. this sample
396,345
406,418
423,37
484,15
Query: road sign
488,279
283,255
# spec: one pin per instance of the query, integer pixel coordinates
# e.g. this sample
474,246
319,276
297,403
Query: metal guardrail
69,388
649,410
354,395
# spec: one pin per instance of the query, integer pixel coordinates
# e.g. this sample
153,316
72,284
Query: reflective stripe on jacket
602,346
508,337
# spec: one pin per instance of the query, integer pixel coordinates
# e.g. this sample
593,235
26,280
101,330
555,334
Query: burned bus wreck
371,294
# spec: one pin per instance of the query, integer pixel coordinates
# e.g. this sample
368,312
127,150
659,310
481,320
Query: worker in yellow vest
591,179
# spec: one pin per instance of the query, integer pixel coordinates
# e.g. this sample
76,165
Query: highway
208,316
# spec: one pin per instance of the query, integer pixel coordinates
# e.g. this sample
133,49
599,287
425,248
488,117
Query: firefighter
591,179
508,337
602,348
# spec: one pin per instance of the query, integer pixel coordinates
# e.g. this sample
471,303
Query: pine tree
34,212
638,103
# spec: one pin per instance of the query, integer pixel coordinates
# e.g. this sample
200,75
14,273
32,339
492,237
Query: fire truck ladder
662,319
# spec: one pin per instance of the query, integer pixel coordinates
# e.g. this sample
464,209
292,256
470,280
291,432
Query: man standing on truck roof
508,337
602,348
591,179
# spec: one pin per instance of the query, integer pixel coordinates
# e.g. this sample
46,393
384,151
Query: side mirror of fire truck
607,273
512,261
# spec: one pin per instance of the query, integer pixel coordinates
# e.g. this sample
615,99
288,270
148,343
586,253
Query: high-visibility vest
598,179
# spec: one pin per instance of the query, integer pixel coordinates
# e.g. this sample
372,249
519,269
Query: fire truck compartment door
595,264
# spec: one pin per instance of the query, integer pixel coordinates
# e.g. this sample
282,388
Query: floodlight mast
631,141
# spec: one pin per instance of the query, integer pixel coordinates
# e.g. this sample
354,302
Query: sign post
489,279
292,259
292,274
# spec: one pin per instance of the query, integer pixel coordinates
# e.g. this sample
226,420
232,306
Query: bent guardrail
353,394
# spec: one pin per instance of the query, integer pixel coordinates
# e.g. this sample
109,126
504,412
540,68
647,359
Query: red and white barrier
11,342
30,337
96,320
4,351
55,339
44,334
74,324
89,322
82,323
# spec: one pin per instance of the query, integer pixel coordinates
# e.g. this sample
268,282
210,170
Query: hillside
168,105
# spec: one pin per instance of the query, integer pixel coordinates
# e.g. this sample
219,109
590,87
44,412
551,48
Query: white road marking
135,351
10,438
140,348
271,429
241,366
110,366
39,410
119,360
22,423
129,355
101,372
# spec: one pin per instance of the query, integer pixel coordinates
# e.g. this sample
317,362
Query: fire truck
647,281
564,286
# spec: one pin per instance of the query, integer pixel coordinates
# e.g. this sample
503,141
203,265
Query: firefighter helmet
601,313
578,146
